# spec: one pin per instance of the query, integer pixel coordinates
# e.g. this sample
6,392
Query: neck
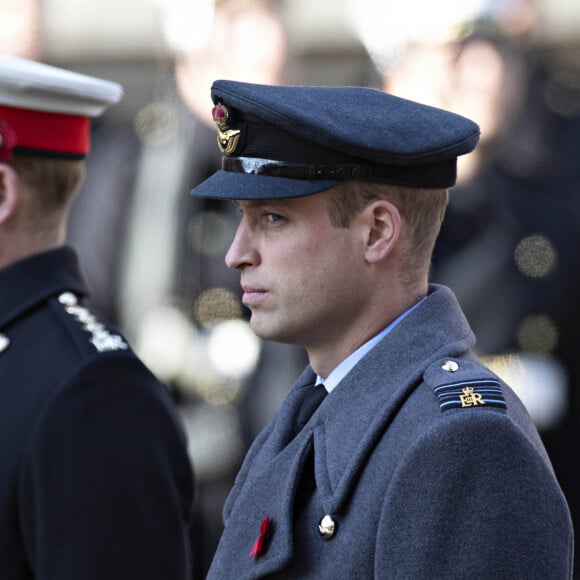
16,248
325,357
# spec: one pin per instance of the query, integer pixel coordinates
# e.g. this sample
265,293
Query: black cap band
436,175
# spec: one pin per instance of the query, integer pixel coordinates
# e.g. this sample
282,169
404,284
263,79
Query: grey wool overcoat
426,464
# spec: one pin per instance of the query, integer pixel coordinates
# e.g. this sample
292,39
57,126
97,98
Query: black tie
312,398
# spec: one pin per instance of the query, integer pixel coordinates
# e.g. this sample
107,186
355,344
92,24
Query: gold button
327,527
4,342
450,366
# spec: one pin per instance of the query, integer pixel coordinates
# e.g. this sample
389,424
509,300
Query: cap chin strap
309,171
433,176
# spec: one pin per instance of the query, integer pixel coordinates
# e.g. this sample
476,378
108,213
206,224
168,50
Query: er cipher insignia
469,394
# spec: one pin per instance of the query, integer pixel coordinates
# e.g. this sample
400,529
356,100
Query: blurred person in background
179,302
396,454
20,28
508,245
248,42
96,481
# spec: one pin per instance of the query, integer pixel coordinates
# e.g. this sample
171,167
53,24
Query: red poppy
259,544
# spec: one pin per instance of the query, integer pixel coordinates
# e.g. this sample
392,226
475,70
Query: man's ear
9,191
383,221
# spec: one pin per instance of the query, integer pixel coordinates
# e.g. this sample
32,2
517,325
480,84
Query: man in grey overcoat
396,454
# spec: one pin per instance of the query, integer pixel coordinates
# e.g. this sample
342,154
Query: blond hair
50,183
422,210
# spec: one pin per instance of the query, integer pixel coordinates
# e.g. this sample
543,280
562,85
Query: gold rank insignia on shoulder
469,394
227,137
101,338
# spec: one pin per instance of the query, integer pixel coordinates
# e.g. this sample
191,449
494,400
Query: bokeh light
217,304
537,333
157,123
539,381
536,256
233,348
164,339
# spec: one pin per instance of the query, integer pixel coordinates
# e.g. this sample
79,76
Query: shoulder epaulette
462,384
100,338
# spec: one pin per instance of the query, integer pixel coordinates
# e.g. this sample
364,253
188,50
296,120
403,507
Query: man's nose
241,251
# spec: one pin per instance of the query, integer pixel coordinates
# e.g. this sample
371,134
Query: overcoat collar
31,281
359,410
343,431
353,419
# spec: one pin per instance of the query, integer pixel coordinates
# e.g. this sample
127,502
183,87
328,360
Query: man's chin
274,334
262,331
265,328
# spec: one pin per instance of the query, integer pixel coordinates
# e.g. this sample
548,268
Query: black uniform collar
33,280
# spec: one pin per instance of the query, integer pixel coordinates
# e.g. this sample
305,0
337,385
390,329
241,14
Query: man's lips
252,295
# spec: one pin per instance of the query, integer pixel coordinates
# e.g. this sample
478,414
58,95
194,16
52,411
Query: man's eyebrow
256,203
246,202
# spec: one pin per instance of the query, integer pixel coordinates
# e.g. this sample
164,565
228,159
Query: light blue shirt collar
339,372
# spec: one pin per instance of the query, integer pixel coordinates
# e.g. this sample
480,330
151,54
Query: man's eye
274,217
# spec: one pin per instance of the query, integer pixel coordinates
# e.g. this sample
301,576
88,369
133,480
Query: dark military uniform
420,464
96,482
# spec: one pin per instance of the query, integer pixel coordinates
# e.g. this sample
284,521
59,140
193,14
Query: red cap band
57,134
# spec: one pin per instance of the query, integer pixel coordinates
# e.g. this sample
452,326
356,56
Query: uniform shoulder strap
464,384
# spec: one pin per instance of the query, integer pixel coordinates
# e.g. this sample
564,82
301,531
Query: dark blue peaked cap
291,141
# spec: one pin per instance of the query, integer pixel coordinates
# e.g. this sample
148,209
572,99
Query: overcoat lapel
273,438
268,491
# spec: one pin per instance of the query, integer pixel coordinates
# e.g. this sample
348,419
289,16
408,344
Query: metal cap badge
227,137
